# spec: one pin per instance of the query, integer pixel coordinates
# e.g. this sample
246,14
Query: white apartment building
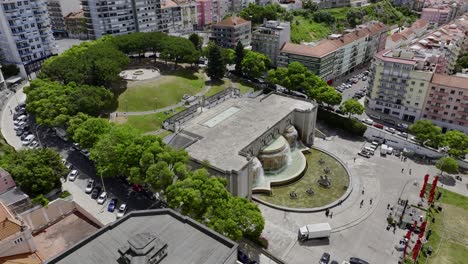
26,37
270,37
58,9
121,17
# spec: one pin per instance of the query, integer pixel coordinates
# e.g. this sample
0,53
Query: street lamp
102,181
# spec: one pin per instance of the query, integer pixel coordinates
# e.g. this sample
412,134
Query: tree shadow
215,82
448,180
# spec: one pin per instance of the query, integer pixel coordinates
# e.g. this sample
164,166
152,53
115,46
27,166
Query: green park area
322,196
448,239
161,92
219,86
149,122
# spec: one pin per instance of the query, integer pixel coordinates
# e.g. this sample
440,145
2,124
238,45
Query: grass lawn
322,196
244,86
449,238
308,30
151,122
218,86
161,92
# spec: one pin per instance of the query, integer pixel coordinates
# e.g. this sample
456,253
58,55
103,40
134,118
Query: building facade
232,30
333,3
26,38
15,237
398,83
6,181
203,13
446,104
178,16
58,9
339,54
270,37
75,25
438,15
122,17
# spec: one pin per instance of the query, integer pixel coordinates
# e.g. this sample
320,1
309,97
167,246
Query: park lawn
161,92
150,122
448,238
244,86
308,30
218,86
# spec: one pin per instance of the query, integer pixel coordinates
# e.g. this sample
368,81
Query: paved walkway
359,232
6,122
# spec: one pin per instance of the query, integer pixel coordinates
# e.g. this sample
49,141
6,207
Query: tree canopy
425,130
35,171
447,164
257,13
297,77
352,107
53,103
240,53
216,64
196,40
254,64
457,142
206,199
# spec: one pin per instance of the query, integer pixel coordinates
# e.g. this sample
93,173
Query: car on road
377,125
389,129
122,210
19,124
89,186
137,187
112,205
368,121
19,132
85,152
402,127
102,198
325,259
364,78
403,134
354,260
96,191
72,175
25,134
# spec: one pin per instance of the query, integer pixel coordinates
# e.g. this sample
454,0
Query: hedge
336,121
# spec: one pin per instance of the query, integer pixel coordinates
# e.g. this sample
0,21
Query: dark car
354,260
19,132
325,258
112,205
96,191
24,135
334,262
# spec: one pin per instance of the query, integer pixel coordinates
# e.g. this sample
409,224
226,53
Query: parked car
96,191
334,262
85,152
389,129
102,198
364,154
19,132
377,125
25,134
137,187
122,210
27,140
90,186
368,121
112,205
403,134
364,78
72,175
325,259
354,260
33,144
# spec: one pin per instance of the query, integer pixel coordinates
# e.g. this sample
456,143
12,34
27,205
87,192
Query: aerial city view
233,131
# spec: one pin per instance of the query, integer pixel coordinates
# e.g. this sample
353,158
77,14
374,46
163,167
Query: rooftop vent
143,248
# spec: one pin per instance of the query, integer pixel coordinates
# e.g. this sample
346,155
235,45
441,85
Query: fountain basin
275,156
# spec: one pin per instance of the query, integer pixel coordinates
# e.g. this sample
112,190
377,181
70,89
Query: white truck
383,150
311,231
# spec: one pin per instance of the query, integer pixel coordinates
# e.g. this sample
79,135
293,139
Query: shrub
64,194
336,121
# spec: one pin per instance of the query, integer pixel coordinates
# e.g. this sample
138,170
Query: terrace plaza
226,133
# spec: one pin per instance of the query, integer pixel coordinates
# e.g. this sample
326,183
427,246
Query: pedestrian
370,201
402,170
331,214
388,206
327,212
362,190
362,202
409,171
354,159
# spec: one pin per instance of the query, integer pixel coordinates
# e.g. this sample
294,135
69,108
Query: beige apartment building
447,102
232,30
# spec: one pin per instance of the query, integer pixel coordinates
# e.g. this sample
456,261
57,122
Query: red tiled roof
232,22
450,80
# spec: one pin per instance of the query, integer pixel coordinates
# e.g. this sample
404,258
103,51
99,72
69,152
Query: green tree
159,176
462,62
323,17
9,70
457,142
35,171
74,122
310,5
257,14
353,17
329,96
425,130
229,56
239,57
216,64
196,40
447,164
89,132
255,64
352,107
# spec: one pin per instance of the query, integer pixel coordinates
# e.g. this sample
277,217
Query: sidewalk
6,122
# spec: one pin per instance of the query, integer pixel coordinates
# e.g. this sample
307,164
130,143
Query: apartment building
58,9
204,17
406,36
75,25
178,16
26,38
446,103
6,181
232,30
339,54
398,83
270,37
438,14
121,17
15,237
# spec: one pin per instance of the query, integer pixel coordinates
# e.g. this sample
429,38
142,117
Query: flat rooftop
224,130
187,241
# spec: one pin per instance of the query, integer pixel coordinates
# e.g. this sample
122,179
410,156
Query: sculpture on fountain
324,181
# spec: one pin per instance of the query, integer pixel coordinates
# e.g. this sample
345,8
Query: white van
370,150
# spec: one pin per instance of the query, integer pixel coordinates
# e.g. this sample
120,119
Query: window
413,82
433,88
431,95
460,93
452,92
458,100
411,89
435,112
425,116
416,104
452,115
450,99
421,84
420,91
445,113
442,90
455,107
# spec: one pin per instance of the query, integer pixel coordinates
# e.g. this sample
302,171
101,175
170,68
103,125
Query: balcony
440,101
438,108
440,93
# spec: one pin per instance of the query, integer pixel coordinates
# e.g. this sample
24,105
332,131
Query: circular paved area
140,74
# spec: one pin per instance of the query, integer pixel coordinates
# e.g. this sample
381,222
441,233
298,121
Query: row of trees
296,77
53,103
428,133
120,150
